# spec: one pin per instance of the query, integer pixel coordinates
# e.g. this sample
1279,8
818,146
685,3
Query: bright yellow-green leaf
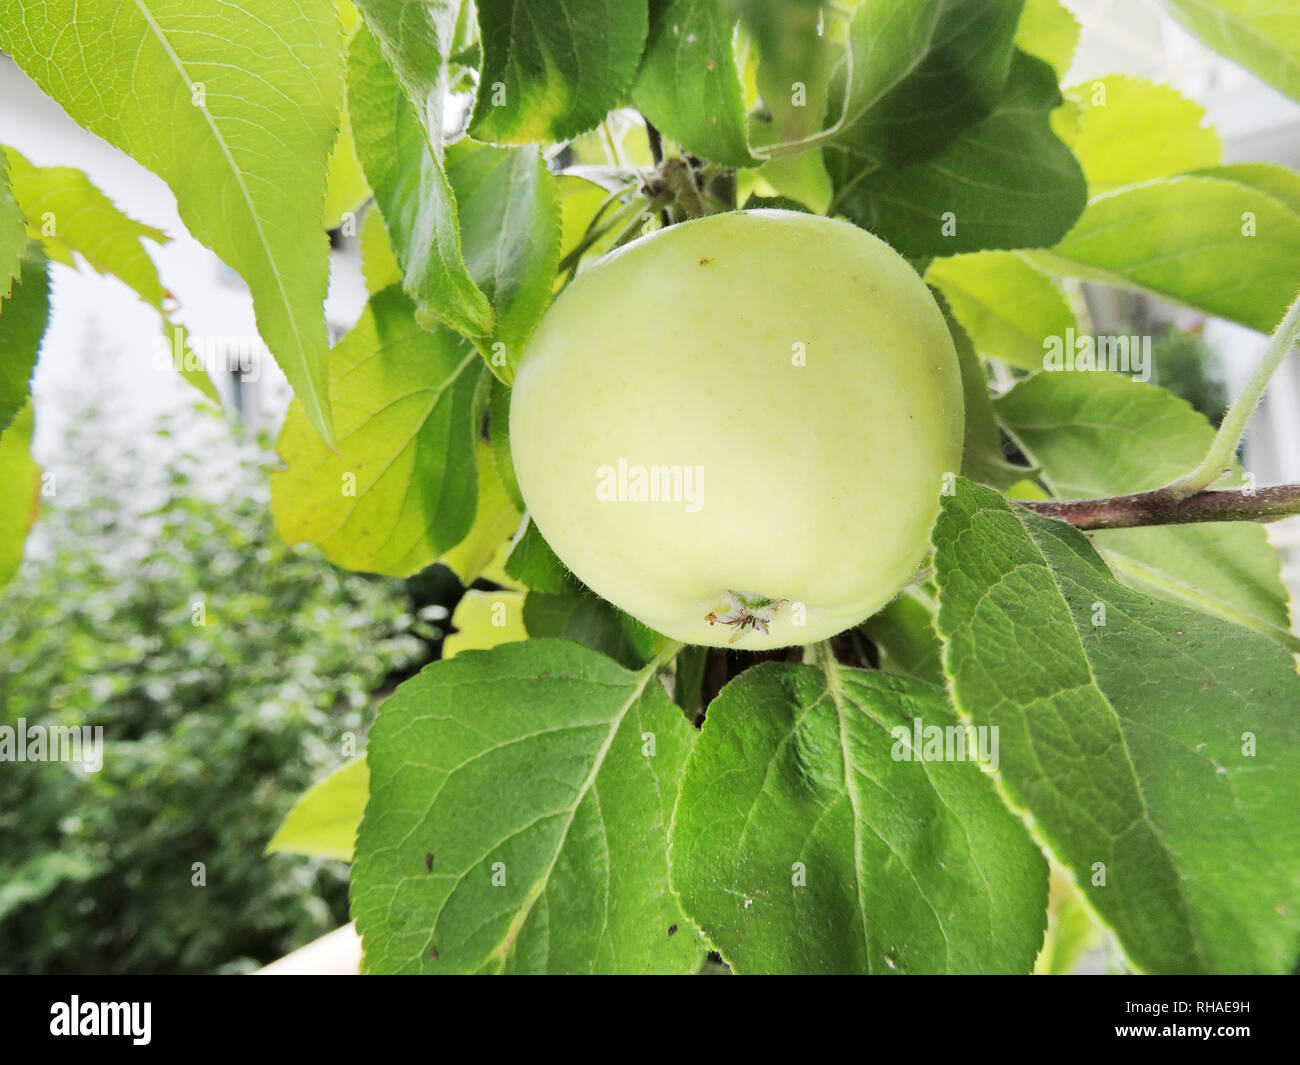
323,822
1006,305
1049,31
19,484
1128,130
485,619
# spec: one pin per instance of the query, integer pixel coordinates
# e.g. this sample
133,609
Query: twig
1163,507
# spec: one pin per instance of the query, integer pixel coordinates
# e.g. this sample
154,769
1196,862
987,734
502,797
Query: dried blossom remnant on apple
746,610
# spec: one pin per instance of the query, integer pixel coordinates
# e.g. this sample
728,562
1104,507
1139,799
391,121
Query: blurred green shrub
211,730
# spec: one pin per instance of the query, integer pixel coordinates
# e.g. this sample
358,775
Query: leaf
1006,304
20,479
1048,30
323,822
536,566
71,217
903,633
910,866
1126,743
1261,35
23,317
485,619
69,214
499,434
223,103
982,457
403,166
582,616
577,842
495,519
1129,130
1182,238
378,264
345,182
401,488
510,233
1278,181
689,86
13,231
1007,182
1102,434
793,75
550,74
920,73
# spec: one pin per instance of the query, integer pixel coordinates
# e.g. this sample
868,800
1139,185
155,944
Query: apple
736,429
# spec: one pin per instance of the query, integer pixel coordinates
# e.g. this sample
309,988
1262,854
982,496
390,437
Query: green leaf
13,231
565,870
1159,748
550,74
20,481
919,73
400,490
495,519
1278,181
223,103
403,166
378,264
1216,245
499,434
1007,305
982,458
69,214
23,317
71,217
484,620
910,866
1048,30
1101,434
1261,35
689,86
323,822
793,75
510,234
1128,130
903,633
345,182
1007,182
535,565
582,616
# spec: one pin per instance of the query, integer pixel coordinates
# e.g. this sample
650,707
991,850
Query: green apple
736,429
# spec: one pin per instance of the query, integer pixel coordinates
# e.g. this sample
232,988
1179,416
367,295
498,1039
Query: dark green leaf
553,68
1007,182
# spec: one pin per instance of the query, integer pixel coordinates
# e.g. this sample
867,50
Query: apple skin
820,481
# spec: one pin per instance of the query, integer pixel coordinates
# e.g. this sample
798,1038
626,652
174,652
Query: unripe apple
736,428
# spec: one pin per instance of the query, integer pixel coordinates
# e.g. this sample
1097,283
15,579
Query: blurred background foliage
211,730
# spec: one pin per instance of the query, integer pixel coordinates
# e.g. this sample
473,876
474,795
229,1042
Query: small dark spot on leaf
705,261
710,64
433,953
672,930
428,862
